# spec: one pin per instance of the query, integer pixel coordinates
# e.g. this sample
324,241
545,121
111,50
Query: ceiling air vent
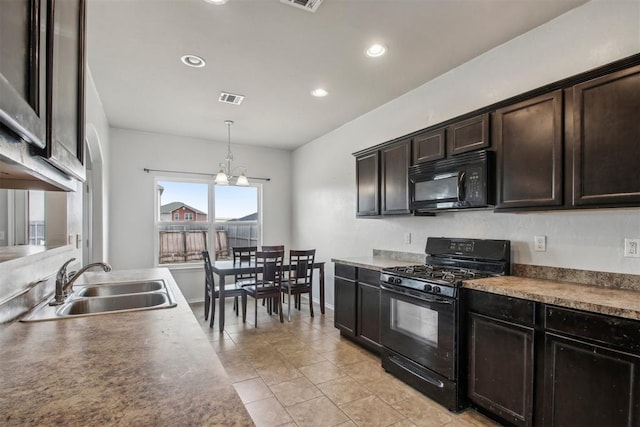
308,5
231,98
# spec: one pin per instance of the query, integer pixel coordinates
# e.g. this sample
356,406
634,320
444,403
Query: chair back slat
273,248
269,267
208,271
244,255
301,270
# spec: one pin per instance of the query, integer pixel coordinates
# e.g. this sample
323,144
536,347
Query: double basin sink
106,298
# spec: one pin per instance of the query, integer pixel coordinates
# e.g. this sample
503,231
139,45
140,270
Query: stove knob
436,289
427,288
398,280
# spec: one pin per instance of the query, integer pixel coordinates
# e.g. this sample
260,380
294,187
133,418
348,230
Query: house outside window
185,228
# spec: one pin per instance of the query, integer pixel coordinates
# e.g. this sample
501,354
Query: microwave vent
308,5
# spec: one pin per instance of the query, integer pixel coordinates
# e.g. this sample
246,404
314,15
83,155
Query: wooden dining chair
300,278
268,278
211,293
268,248
244,255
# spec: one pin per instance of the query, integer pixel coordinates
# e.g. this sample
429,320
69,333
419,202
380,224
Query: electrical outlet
540,243
407,238
632,248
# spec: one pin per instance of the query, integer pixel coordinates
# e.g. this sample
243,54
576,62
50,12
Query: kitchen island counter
153,367
597,299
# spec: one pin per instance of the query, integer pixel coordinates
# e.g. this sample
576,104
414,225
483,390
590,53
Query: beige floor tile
303,357
268,413
252,390
344,390
424,412
345,356
317,412
322,372
404,423
471,418
371,411
347,424
366,372
278,373
239,370
295,391
391,390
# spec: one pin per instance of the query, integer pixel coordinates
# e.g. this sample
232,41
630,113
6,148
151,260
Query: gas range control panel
434,287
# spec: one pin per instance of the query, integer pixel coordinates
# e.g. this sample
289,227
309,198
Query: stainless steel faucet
64,284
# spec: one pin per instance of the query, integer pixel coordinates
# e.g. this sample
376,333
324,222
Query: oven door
421,327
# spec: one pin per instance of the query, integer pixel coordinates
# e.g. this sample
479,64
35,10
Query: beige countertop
372,262
614,302
152,367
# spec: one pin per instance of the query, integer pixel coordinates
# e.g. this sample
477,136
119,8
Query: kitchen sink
107,298
118,303
109,289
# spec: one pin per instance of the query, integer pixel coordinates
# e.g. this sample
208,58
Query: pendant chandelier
225,175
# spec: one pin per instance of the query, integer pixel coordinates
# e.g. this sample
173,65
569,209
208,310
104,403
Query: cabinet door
500,363
468,135
367,185
528,138
587,385
22,102
429,146
395,179
606,140
65,86
368,305
345,305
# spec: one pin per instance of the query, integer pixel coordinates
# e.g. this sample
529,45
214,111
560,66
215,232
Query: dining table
224,268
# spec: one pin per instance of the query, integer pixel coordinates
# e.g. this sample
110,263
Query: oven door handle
425,297
461,187
415,372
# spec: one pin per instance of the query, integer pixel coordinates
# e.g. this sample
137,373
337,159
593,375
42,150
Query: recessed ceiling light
216,2
376,50
193,61
319,92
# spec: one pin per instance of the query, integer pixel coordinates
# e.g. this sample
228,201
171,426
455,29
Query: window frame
211,219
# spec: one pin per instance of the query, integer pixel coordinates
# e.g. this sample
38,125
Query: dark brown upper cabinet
22,70
368,184
529,142
429,146
468,135
606,140
395,160
65,86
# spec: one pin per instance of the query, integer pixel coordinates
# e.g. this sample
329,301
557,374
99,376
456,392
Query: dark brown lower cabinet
588,385
368,323
500,356
501,368
345,305
357,305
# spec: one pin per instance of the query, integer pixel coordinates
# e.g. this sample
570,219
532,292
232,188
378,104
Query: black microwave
461,182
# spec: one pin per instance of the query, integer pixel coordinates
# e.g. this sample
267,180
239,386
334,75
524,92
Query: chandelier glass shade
225,174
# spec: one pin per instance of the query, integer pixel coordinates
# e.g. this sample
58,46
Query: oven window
419,323
437,189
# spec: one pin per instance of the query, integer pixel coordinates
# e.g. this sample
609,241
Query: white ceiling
275,54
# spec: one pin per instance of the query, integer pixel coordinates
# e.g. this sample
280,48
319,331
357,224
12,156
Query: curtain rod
147,170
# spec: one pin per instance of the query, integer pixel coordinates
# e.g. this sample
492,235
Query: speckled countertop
152,367
613,302
382,259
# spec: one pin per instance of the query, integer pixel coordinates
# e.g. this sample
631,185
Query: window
185,227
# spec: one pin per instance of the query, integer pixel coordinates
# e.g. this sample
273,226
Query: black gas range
419,312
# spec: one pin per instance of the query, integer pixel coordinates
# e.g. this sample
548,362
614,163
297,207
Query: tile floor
302,373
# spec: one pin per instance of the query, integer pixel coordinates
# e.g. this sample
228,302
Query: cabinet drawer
346,271
501,307
610,330
372,277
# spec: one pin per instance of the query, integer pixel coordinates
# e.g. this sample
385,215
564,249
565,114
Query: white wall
131,233
324,170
